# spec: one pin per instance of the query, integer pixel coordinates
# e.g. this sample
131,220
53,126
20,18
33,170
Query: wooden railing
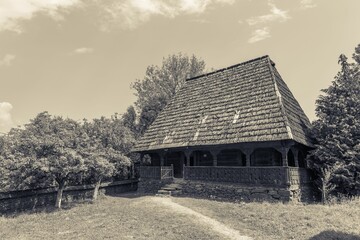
279,176
167,172
298,176
156,172
247,175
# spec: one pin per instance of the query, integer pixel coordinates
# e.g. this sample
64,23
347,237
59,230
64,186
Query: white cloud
7,60
128,14
6,122
13,11
275,14
83,50
259,34
305,4
132,13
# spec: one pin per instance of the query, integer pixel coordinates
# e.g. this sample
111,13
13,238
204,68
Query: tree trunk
323,194
59,195
96,190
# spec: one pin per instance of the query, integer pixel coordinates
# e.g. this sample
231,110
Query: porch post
187,154
214,154
296,156
284,152
248,152
162,158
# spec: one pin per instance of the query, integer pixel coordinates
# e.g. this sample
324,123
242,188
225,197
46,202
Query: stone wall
231,191
151,186
17,201
235,192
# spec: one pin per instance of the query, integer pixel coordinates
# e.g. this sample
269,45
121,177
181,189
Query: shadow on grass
43,209
333,235
130,195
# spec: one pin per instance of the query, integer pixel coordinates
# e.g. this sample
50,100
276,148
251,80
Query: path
215,225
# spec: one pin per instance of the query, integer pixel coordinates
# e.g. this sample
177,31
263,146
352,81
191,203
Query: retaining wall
17,201
232,191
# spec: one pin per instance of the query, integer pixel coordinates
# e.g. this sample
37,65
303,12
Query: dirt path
217,226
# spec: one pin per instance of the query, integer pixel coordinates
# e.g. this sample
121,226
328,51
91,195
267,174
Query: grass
145,217
284,221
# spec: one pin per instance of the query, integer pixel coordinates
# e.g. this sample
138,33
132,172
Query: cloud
275,14
305,4
83,50
129,14
13,11
6,122
259,34
7,60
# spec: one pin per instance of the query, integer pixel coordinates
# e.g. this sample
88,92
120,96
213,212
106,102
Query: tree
160,84
337,129
107,144
129,120
324,180
44,153
98,168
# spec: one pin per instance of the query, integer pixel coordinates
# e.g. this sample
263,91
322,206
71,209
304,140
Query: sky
78,58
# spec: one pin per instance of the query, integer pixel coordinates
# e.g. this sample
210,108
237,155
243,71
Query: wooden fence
17,201
298,176
279,176
157,172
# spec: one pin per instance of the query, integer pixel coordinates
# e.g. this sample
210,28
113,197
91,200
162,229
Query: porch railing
298,176
278,176
157,172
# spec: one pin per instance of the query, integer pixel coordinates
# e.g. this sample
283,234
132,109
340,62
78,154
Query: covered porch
280,163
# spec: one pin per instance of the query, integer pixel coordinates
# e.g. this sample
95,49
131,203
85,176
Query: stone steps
170,189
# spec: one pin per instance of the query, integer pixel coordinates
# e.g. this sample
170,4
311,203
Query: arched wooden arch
266,157
231,157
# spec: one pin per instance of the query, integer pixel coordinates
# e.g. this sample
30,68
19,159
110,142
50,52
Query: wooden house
240,124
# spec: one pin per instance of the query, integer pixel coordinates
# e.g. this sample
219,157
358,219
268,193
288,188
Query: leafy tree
98,168
337,129
324,181
108,140
161,83
110,133
45,153
130,121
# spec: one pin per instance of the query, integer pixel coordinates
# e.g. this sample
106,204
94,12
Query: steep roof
247,102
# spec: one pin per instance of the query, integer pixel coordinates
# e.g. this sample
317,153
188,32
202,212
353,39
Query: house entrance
177,160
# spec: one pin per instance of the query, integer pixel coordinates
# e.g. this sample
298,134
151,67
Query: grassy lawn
149,217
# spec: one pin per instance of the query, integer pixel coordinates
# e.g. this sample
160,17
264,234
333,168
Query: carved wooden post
141,158
284,153
296,156
214,154
248,152
187,154
162,158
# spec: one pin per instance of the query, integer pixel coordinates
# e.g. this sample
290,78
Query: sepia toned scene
184,119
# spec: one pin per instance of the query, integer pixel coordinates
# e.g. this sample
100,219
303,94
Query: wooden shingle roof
247,102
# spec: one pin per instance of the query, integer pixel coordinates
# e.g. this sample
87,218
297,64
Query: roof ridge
278,94
226,68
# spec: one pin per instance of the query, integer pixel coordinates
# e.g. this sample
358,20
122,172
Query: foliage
108,139
159,85
52,151
324,183
337,129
